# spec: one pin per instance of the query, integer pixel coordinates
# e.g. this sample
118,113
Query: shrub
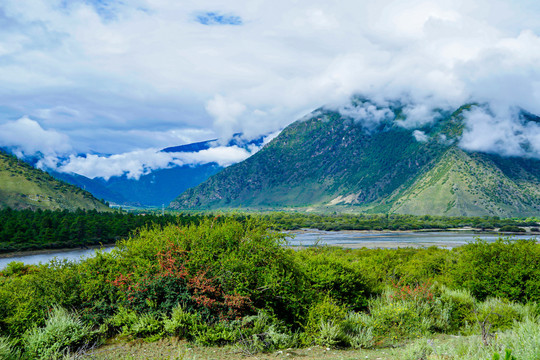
511,228
325,318
228,267
501,314
17,268
330,273
506,268
264,332
145,326
220,333
182,323
462,306
63,332
358,330
523,338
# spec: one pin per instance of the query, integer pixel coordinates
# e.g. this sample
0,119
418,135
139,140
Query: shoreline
9,255
466,230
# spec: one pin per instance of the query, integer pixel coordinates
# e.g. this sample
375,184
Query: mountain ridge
24,187
330,161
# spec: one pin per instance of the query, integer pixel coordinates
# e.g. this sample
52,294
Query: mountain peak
369,156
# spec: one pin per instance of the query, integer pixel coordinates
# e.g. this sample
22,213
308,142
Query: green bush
511,228
25,299
218,334
523,339
462,306
501,314
330,273
182,323
327,314
263,332
508,269
17,268
63,332
145,326
358,331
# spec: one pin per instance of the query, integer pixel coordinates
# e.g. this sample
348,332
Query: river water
381,239
348,239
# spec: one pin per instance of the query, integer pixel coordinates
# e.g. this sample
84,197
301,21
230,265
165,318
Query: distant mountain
24,187
159,186
364,159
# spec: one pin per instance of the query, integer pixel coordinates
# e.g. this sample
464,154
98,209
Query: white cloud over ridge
503,133
134,164
116,77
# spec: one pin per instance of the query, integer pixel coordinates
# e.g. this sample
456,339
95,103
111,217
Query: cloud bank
116,77
26,137
505,133
134,164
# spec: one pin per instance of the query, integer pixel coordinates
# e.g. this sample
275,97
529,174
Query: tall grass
63,332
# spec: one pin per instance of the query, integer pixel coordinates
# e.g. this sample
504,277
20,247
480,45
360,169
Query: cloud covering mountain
120,78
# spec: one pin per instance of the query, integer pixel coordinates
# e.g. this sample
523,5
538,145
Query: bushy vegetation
229,281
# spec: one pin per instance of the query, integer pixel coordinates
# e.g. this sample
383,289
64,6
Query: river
310,237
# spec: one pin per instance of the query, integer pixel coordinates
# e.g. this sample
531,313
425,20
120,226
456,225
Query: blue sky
126,78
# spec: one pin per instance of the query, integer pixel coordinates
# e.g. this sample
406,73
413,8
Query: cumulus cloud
506,133
134,164
26,137
226,115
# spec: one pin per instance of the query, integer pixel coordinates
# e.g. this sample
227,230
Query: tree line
47,229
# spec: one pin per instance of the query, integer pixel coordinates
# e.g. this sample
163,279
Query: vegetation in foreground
226,282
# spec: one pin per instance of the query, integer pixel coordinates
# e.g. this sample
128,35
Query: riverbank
52,251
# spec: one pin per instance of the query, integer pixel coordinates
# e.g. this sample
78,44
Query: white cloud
26,137
140,162
129,75
226,115
504,133
420,136
369,114
417,116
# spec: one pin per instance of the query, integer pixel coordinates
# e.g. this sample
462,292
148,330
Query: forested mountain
24,187
368,160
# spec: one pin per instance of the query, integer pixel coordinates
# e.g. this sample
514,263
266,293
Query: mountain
366,158
160,186
24,187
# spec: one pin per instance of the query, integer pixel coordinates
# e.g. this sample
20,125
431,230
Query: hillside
471,184
334,162
24,187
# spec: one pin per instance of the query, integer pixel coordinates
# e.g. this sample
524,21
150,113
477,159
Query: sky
98,87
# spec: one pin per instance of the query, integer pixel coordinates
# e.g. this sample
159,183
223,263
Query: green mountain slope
470,184
24,187
330,161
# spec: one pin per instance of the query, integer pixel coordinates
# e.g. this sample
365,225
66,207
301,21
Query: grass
24,187
524,342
